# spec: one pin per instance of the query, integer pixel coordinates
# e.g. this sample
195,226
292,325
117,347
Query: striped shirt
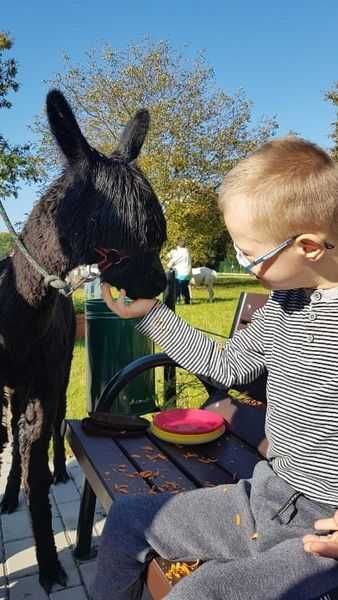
295,338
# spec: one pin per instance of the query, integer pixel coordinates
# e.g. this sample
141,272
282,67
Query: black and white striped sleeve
240,360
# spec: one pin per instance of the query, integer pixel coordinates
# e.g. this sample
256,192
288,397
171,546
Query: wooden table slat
247,421
148,457
191,460
102,463
236,457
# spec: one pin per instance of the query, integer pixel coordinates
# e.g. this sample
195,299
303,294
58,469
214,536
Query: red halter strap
110,257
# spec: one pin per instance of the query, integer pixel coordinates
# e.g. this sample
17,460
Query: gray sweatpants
247,555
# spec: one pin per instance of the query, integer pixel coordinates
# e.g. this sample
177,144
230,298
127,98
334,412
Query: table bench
145,465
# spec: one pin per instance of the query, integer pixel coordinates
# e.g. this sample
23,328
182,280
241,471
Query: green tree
198,131
16,161
332,96
6,244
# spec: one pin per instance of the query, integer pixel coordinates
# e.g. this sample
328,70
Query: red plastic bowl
188,420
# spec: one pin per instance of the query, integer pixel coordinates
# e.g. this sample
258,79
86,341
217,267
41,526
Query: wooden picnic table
145,465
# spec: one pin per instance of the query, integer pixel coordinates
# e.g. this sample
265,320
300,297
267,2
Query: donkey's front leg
34,437
10,498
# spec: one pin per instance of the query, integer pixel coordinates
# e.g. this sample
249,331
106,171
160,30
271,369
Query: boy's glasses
248,265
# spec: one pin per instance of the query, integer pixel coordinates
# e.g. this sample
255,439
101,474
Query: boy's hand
129,310
324,545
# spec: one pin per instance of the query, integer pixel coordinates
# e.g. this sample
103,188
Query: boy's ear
311,245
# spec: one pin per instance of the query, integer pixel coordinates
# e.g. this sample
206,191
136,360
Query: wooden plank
248,303
204,471
236,457
251,303
105,466
223,461
164,475
246,421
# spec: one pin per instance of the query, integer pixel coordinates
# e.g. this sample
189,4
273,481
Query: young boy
280,207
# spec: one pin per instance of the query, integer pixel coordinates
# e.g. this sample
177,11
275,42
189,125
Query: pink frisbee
188,420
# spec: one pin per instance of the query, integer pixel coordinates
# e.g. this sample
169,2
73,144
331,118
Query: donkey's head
108,212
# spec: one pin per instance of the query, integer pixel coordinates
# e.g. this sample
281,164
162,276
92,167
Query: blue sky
283,54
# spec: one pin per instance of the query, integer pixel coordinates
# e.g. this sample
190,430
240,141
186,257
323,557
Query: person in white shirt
180,261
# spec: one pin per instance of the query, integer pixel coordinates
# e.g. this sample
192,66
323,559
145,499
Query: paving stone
78,478
19,550
3,590
57,526
76,593
99,508
22,499
65,492
67,560
72,463
26,588
16,525
69,512
88,570
99,522
2,556
61,540
21,559
3,586
54,506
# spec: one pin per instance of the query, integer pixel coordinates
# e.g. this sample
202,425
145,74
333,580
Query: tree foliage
6,244
16,161
332,96
198,131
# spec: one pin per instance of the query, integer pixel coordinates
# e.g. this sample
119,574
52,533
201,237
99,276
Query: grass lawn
216,317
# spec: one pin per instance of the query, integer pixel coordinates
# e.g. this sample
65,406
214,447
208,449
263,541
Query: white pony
204,276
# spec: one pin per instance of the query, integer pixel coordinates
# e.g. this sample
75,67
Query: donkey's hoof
60,476
53,574
9,503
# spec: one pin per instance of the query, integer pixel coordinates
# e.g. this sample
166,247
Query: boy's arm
239,361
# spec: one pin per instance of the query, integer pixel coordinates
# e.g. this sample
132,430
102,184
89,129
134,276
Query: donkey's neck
44,243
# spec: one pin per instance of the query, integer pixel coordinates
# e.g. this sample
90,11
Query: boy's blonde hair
291,187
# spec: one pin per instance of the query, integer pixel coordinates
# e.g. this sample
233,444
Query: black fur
97,202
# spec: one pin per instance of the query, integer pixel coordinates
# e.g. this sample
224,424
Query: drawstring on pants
284,508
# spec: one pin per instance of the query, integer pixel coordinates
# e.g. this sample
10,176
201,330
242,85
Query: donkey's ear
65,129
133,135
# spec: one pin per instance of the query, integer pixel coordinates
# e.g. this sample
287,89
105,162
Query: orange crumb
237,519
146,474
180,569
123,489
